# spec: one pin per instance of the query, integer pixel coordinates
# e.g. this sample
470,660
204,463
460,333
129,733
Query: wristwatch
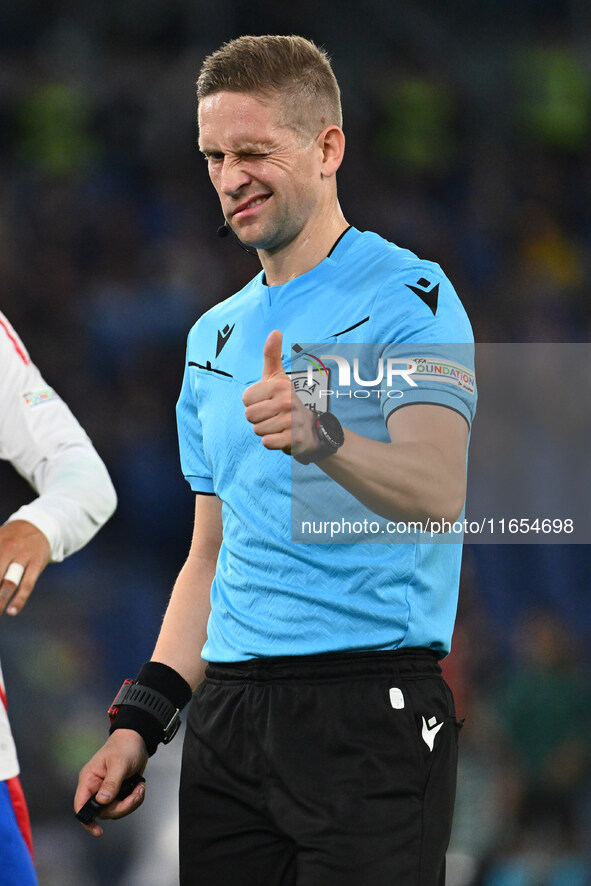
330,435
161,708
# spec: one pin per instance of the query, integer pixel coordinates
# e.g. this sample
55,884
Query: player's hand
122,755
277,414
24,554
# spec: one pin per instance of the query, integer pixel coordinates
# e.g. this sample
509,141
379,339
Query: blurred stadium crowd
468,131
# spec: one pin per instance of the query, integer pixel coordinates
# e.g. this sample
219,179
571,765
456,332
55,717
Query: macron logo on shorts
430,730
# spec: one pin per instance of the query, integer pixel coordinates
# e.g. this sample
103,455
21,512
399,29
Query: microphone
225,229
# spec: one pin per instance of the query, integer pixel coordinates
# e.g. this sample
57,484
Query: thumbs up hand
273,367
278,416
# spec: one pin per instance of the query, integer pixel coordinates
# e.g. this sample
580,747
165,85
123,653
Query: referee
321,742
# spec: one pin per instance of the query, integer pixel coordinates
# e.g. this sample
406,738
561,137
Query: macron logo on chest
223,336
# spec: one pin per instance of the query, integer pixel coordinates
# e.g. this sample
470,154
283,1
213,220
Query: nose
233,177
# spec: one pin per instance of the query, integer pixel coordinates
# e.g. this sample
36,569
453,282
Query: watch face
332,429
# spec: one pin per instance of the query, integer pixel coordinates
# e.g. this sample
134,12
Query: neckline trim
334,246
337,241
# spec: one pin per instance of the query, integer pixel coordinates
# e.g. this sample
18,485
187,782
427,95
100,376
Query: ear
331,141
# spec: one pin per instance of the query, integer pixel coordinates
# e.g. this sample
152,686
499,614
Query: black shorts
322,770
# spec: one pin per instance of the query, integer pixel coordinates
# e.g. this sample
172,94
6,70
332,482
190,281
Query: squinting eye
253,156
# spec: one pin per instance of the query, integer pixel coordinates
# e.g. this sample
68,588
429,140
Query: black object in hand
91,808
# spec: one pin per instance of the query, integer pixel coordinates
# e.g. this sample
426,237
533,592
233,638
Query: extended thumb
273,365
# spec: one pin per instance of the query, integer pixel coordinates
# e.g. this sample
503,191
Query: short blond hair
290,67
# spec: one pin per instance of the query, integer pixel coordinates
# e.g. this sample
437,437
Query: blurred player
321,746
44,442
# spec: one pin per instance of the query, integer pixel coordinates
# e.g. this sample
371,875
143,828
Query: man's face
267,176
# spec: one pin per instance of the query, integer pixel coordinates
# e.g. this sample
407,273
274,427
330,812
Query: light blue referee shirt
271,596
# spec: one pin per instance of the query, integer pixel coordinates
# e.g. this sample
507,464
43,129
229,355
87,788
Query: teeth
256,202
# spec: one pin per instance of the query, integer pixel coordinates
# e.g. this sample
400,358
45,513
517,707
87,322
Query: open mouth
251,206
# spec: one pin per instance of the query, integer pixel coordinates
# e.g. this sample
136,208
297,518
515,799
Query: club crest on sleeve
38,398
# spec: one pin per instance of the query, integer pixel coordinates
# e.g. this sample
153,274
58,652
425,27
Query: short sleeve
428,342
194,464
427,373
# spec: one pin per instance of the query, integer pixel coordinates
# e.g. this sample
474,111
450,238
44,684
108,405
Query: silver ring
14,573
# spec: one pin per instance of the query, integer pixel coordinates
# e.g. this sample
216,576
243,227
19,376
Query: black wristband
173,691
167,681
142,722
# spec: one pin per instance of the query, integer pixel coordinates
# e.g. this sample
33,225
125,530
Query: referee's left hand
277,415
